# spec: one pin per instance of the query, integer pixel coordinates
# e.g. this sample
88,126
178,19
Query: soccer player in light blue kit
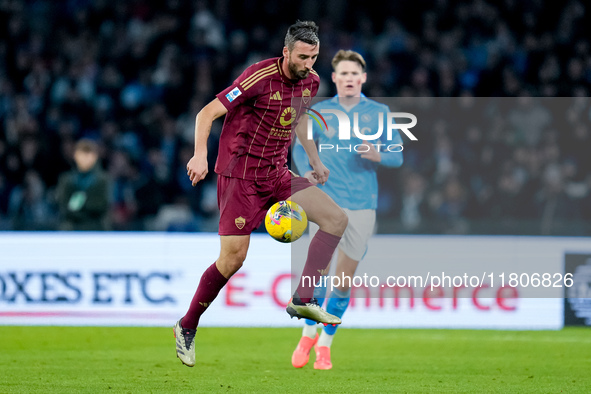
353,185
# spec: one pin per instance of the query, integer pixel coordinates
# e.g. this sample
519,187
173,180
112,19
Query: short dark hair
348,55
86,145
305,31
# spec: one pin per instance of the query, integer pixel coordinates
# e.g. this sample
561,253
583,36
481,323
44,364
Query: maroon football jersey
257,130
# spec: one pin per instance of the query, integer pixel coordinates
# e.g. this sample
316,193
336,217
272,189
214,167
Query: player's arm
300,159
197,167
394,157
385,157
319,171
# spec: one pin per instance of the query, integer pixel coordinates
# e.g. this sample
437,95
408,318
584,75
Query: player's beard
293,70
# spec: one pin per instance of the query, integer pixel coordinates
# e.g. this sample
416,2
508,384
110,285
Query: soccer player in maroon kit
253,174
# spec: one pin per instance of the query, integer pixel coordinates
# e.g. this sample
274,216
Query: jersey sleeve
236,94
394,158
299,155
300,158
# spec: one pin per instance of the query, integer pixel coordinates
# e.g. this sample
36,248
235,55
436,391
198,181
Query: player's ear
334,77
363,77
285,52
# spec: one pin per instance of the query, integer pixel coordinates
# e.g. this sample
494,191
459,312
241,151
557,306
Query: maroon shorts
244,203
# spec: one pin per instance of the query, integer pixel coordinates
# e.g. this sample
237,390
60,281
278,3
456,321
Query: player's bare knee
231,261
238,258
235,265
341,221
232,265
334,222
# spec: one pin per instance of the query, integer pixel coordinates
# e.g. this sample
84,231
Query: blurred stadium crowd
133,74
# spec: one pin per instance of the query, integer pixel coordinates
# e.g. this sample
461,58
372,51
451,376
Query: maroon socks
320,253
210,285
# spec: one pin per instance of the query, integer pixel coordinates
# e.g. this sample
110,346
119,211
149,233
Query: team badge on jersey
306,96
330,132
240,222
233,94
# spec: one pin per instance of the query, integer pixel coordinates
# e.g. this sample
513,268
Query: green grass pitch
243,360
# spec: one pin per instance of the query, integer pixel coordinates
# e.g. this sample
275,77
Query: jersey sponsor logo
281,133
240,222
287,116
276,96
233,94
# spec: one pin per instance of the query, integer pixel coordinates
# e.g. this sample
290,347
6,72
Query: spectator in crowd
83,193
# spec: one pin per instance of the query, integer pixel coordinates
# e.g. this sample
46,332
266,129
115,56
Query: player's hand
197,168
320,172
372,154
310,175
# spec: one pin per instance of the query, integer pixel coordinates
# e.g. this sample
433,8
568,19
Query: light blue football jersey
352,182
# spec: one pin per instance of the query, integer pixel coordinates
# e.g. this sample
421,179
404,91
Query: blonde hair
349,55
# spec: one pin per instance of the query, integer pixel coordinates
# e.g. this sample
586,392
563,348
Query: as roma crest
240,222
306,96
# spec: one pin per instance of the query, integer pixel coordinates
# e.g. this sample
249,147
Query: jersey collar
363,99
283,76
